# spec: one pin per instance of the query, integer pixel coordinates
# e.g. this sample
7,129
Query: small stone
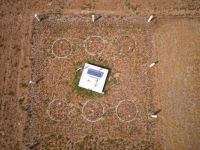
2,133
116,75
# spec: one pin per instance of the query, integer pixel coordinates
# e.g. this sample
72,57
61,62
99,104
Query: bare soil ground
27,116
129,81
178,40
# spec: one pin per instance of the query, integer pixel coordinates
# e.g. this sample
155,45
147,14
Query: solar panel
95,73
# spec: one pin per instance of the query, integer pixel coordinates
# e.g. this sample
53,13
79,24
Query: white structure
150,18
151,65
93,78
36,16
32,82
93,18
154,116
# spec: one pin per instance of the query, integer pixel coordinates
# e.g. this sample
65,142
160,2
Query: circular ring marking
93,111
125,44
92,47
126,117
61,43
58,110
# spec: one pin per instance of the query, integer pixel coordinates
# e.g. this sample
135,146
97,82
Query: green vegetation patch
84,92
23,85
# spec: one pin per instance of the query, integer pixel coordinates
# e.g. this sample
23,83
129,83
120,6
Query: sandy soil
129,81
175,84
178,40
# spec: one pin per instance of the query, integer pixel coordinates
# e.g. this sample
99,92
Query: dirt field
118,43
179,81
56,114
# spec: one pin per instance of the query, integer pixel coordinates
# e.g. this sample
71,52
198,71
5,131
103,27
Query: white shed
93,78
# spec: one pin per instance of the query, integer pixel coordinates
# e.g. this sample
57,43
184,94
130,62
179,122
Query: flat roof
93,78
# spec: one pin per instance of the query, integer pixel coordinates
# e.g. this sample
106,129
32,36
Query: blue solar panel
95,73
